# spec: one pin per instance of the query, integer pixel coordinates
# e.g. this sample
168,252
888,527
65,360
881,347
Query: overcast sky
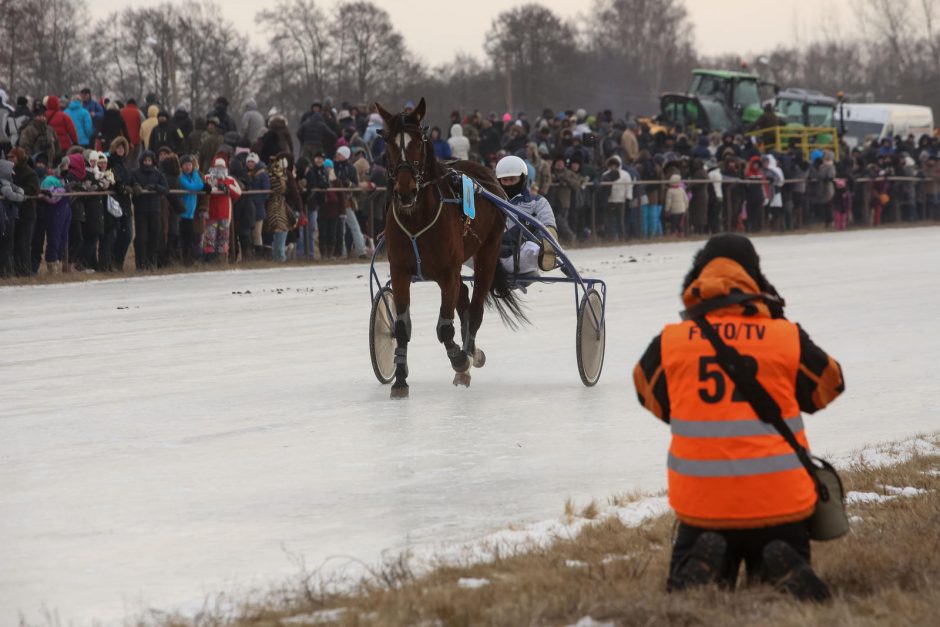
436,32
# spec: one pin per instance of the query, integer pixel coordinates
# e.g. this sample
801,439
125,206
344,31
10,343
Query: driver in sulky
517,254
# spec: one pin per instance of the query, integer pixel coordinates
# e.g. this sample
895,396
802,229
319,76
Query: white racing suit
531,256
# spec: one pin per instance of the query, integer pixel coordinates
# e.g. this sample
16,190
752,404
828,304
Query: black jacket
24,176
315,131
148,179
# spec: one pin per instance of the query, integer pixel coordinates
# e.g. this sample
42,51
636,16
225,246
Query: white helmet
511,166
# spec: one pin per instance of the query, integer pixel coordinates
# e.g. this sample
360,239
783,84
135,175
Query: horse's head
407,153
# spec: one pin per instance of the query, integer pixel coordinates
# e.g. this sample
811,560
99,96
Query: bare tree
531,46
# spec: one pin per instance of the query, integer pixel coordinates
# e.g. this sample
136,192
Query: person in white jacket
459,145
775,180
620,196
518,255
677,204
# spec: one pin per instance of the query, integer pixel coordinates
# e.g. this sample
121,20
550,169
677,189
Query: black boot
787,571
703,565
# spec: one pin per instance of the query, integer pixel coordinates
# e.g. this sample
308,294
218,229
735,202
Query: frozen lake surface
163,438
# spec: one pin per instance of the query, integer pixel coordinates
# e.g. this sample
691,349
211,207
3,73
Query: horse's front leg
401,293
450,294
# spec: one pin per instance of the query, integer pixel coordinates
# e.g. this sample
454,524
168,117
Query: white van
865,120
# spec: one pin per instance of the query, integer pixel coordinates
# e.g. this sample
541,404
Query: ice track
167,438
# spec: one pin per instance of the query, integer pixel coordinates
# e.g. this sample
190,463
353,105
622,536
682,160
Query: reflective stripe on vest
733,467
729,428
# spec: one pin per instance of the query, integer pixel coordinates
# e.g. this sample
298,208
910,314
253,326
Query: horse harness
417,172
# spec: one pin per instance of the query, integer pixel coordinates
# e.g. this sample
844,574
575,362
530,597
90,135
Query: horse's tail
504,300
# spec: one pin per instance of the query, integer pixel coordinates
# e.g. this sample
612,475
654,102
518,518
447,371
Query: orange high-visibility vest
727,468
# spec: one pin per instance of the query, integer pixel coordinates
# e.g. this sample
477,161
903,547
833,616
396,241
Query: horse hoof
462,365
479,358
399,392
462,378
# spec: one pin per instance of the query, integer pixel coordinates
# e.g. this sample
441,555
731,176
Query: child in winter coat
677,204
57,216
223,190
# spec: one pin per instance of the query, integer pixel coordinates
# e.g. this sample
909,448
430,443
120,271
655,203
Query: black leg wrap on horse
445,330
402,332
401,360
405,320
464,327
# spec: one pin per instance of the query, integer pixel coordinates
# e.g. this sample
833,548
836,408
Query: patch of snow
576,564
855,498
907,492
610,559
587,621
893,453
470,583
319,617
855,519
933,472
638,512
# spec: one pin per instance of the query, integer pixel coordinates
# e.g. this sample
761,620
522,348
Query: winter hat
507,118
252,157
219,163
674,179
22,101
580,114
816,154
328,163
344,152
731,246
376,120
344,115
187,159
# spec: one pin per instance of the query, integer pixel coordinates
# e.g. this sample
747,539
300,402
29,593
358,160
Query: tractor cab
717,100
805,107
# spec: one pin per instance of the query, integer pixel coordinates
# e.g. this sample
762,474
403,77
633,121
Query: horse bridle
416,168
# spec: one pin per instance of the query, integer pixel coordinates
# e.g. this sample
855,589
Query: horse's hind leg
401,292
463,310
451,289
484,264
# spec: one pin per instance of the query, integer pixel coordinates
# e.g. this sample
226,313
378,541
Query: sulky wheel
382,336
590,338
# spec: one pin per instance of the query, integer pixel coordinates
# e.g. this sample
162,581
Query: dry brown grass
886,572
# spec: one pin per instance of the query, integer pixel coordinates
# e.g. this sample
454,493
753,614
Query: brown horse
427,236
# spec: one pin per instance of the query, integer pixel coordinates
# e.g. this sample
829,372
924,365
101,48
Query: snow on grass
320,617
893,492
892,453
908,491
471,583
856,498
576,564
587,621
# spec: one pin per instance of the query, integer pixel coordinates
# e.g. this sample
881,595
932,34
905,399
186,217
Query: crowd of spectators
242,185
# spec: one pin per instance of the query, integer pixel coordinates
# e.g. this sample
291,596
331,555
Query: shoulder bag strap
745,380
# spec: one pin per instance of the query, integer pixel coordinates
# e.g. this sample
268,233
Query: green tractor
718,100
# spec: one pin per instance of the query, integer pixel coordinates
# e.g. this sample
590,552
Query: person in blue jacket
191,182
84,127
